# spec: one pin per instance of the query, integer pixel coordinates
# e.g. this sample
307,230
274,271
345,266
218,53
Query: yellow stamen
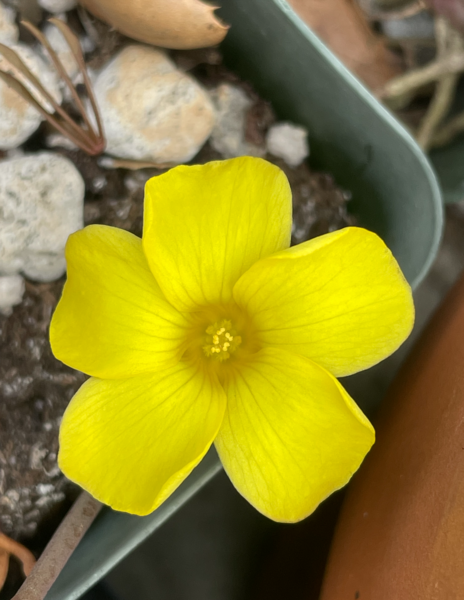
219,341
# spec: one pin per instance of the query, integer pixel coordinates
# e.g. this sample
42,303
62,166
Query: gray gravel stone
152,111
289,142
228,136
41,204
11,292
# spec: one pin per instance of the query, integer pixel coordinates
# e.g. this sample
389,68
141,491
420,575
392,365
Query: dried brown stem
87,138
448,41
59,549
62,126
77,53
61,70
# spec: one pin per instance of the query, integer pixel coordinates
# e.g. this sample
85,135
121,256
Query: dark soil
35,388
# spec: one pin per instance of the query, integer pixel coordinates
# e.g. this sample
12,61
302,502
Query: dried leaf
341,25
177,24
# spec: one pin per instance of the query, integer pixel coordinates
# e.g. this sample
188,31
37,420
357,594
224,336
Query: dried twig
59,549
402,86
396,14
10,547
448,41
85,136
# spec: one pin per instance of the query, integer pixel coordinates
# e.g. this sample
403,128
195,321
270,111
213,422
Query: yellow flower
211,329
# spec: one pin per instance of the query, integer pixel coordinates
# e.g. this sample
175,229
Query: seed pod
177,24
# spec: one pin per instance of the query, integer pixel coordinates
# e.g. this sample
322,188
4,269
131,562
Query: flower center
221,340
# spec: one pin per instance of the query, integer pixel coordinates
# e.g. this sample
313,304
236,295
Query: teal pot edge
385,114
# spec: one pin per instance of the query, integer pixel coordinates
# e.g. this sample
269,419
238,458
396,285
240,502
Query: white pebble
58,140
18,119
228,136
152,111
11,292
41,197
57,6
43,489
289,142
9,32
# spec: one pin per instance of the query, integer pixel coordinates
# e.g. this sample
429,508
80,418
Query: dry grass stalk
90,139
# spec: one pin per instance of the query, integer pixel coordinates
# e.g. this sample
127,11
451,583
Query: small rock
152,111
18,119
289,142
9,33
37,455
57,6
228,135
41,200
11,292
59,45
43,489
58,140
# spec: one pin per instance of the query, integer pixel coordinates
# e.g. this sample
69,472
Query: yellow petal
291,434
113,320
131,443
340,300
206,225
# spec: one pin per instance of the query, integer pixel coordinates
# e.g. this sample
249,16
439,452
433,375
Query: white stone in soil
228,136
150,110
289,142
9,32
18,119
11,292
58,43
57,6
41,204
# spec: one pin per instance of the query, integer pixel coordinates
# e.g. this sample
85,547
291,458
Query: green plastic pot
394,193
448,163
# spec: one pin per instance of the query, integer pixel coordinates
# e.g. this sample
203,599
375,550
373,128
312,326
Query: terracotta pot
401,531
